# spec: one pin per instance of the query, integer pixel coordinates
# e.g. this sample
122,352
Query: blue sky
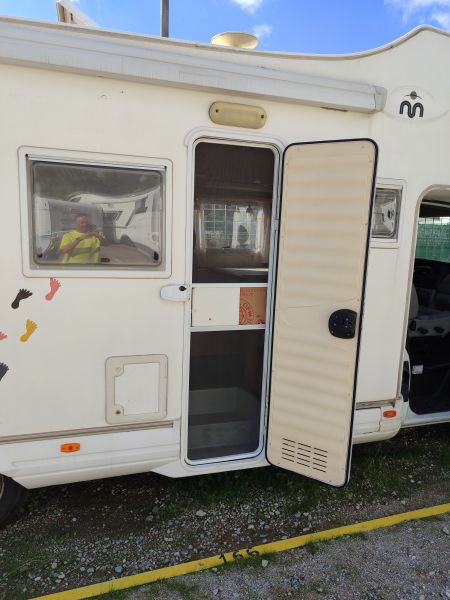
318,26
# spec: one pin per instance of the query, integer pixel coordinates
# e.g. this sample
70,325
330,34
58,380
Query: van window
433,238
93,216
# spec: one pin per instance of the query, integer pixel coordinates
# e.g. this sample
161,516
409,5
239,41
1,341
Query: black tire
12,495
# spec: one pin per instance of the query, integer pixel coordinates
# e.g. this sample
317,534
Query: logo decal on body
412,109
415,104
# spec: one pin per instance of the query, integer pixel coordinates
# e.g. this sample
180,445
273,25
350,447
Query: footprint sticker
54,287
3,336
21,295
30,329
3,370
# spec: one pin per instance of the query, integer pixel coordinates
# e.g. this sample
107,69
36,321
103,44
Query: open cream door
324,232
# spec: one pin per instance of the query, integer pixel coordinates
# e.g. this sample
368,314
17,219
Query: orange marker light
389,414
73,447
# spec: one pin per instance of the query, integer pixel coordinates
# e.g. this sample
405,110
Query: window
386,212
232,213
433,238
232,227
97,217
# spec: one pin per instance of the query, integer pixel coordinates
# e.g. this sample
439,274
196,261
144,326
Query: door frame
237,139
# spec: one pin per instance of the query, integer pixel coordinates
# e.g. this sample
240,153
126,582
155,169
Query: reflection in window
85,215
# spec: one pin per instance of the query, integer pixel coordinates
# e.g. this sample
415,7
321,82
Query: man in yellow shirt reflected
81,245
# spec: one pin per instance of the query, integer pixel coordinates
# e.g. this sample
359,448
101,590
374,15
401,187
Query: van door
322,257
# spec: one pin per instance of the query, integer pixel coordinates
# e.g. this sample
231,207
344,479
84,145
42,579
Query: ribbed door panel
325,214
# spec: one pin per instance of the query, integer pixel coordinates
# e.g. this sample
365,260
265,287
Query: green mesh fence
433,238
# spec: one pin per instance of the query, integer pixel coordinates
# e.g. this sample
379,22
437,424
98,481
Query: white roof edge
397,42
225,49
90,51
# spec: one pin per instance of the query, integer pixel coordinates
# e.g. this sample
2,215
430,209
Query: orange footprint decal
54,287
30,329
3,336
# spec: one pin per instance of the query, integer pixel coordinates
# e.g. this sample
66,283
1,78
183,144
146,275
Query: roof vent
235,39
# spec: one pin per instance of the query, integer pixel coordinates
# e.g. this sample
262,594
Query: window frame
27,155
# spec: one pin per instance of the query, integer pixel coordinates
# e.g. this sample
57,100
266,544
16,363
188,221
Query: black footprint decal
21,295
3,370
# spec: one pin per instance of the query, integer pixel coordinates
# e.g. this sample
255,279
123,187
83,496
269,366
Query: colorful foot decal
30,329
21,295
3,370
3,336
54,287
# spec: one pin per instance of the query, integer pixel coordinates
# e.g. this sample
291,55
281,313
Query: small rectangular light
237,115
389,414
71,447
386,213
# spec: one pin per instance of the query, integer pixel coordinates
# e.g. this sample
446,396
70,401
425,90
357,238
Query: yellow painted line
97,589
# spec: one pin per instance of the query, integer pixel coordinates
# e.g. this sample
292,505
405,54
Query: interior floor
428,342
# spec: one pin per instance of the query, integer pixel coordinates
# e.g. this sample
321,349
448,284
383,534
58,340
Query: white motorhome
132,220
272,321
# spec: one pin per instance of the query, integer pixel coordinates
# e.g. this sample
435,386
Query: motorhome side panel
117,130
71,134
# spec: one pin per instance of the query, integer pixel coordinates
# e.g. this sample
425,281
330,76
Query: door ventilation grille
304,455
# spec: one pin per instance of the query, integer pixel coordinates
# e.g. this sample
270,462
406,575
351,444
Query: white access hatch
136,388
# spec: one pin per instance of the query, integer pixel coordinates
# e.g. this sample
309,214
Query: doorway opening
234,191
428,340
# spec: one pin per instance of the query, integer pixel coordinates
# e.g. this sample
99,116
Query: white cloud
262,31
442,19
250,6
410,6
424,11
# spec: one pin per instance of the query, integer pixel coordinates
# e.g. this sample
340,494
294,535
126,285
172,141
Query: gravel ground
405,562
74,535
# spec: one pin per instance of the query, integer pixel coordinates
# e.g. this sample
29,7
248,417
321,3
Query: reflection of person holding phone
81,245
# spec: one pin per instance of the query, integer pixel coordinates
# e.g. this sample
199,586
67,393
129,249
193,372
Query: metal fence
433,238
